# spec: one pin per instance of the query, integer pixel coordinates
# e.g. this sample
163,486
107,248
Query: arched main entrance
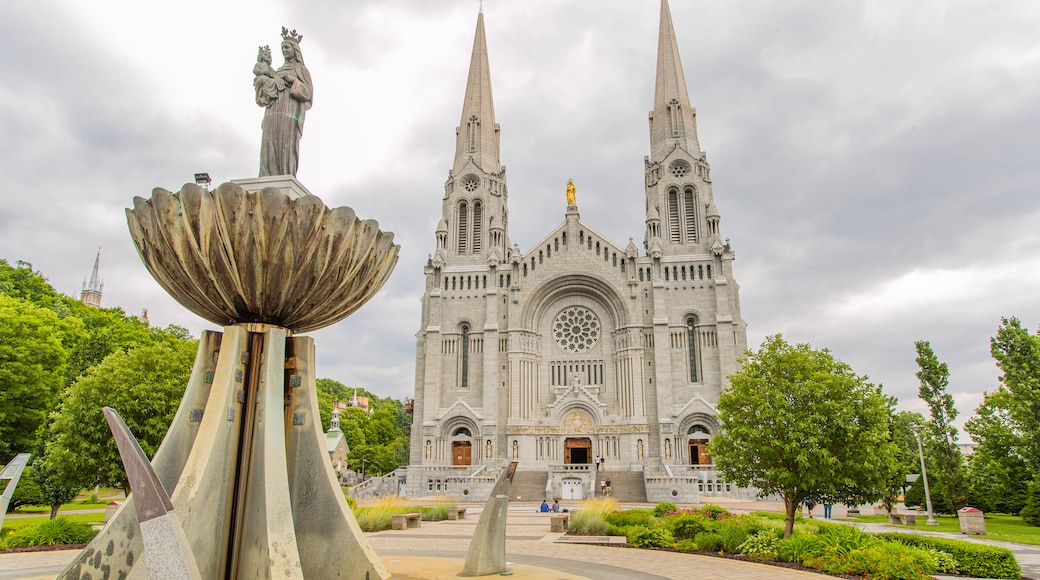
462,447
698,444
577,450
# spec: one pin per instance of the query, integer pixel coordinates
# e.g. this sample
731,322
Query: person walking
603,487
609,490
827,511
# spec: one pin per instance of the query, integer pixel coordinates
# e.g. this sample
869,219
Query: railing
570,467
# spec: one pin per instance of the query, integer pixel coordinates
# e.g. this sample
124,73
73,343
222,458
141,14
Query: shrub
631,518
687,526
664,507
60,530
843,540
709,541
762,545
715,512
878,561
732,537
979,560
686,546
650,538
352,503
797,547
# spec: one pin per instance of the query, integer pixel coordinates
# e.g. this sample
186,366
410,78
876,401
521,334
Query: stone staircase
529,486
626,486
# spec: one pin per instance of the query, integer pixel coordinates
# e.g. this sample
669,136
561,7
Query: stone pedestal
972,521
286,184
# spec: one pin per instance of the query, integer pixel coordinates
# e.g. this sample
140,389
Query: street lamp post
927,495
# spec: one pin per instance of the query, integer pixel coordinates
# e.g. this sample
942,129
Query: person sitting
545,506
556,506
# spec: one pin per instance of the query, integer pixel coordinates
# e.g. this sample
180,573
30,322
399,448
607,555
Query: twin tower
578,347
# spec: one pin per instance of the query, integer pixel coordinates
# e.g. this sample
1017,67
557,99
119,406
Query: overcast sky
875,163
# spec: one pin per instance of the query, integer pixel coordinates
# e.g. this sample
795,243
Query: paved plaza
437,550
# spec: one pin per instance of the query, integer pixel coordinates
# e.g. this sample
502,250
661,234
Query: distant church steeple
473,227
91,292
674,120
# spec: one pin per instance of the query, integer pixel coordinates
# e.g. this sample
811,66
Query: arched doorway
577,450
462,447
698,445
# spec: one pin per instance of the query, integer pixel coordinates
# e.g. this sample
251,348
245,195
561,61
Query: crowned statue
286,94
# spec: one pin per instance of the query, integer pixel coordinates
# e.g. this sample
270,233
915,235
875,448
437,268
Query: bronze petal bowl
231,256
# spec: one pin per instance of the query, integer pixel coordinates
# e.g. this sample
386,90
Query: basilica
580,357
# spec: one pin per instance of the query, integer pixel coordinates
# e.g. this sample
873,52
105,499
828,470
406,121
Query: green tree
144,385
799,423
32,366
998,473
947,463
26,492
1007,423
54,487
22,281
905,460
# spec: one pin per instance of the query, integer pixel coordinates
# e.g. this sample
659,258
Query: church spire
477,134
91,293
673,121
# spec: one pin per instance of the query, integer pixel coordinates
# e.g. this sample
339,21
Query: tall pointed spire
674,121
91,293
477,134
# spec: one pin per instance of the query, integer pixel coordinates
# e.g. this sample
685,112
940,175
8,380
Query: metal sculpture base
248,472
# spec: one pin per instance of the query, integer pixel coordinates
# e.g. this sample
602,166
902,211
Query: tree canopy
799,423
144,385
379,439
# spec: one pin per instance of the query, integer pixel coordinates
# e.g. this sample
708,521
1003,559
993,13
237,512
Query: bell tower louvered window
463,237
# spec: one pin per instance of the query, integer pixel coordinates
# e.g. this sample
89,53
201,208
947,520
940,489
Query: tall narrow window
673,116
464,366
674,232
478,224
471,133
691,344
463,227
690,216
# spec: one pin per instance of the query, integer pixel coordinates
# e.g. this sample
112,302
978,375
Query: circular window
470,183
680,169
576,329
465,492
675,493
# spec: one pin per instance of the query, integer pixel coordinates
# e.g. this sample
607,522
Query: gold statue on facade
571,193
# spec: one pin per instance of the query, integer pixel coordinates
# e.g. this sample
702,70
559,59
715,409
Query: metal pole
927,495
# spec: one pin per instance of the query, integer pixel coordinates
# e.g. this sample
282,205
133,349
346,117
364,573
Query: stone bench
558,523
457,514
403,521
905,519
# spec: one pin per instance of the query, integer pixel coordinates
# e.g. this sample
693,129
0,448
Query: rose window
470,183
679,170
576,329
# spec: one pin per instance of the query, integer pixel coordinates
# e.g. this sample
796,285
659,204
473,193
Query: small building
336,444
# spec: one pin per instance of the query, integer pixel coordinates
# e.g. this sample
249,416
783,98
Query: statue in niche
286,94
516,450
639,449
429,448
487,450
667,448
571,193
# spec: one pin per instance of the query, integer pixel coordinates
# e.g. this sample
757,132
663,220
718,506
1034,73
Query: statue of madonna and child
286,94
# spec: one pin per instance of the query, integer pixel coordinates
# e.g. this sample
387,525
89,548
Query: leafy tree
1007,423
26,493
947,464
905,460
32,365
54,487
144,385
998,474
22,281
799,423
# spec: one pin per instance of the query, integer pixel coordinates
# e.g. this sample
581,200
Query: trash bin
972,521
111,509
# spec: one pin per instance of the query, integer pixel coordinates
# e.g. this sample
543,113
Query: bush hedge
58,531
979,560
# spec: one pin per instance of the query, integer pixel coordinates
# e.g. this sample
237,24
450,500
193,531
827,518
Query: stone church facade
578,347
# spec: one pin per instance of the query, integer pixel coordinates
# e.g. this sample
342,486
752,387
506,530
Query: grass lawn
19,523
998,527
